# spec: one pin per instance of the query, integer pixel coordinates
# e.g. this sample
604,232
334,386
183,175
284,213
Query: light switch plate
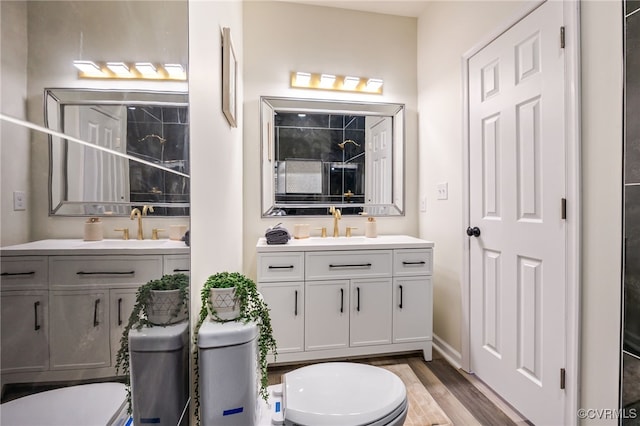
423,204
443,191
19,200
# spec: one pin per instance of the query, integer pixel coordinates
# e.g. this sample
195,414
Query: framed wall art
229,78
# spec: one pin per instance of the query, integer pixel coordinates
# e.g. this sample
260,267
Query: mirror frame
55,99
271,104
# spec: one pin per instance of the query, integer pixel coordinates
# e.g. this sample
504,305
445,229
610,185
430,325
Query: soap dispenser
371,228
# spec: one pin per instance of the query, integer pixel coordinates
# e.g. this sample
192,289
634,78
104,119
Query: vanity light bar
305,80
124,70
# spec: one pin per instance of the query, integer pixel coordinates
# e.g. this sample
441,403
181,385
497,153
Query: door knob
473,232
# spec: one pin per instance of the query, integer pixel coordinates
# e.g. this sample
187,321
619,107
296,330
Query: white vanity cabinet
362,296
64,308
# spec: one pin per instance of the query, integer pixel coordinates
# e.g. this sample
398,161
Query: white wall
283,37
216,149
60,32
441,46
14,140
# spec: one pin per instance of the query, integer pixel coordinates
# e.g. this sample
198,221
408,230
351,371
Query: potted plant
159,302
247,306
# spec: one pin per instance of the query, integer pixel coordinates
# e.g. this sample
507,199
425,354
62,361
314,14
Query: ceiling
411,8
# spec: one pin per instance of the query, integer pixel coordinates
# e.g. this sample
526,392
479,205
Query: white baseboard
451,355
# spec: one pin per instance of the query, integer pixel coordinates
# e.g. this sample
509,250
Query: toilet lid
341,394
83,405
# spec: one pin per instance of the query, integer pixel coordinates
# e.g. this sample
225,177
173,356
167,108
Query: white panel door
378,163
105,176
517,182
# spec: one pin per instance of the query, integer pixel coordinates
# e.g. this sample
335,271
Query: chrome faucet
136,213
337,215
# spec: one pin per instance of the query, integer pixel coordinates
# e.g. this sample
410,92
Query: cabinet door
121,304
25,331
326,315
412,309
79,329
286,309
370,321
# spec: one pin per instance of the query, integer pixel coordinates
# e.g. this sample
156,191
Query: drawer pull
120,311
281,267
400,305
341,300
95,313
422,262
106,273
295,309
17,274
177,270
358,296
36,326
355,265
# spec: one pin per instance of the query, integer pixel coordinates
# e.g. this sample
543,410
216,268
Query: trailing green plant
252,309
139,318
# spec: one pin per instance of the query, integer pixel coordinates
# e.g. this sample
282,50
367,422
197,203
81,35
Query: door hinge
562,378
563,208
562,37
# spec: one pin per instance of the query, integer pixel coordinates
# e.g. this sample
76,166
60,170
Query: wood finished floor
464,399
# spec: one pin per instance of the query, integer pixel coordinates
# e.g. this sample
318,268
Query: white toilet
99,404
337,394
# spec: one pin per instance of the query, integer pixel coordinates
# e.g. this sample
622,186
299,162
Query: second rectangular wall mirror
319,153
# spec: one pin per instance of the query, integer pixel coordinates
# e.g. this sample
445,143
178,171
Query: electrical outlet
443,191
423,204
19,200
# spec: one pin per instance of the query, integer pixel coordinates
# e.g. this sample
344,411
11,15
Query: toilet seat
343,394
100,404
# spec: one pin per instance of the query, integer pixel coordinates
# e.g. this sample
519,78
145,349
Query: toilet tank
228,363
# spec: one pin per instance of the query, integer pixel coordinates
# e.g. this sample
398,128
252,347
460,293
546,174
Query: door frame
571,9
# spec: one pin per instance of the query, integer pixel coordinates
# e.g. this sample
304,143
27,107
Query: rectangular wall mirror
153,126
320,153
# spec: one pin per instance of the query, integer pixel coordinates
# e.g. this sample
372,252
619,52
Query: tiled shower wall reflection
630,397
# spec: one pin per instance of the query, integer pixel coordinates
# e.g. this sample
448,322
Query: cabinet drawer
100,270
177,264
348,264
412,262
280,267
24,272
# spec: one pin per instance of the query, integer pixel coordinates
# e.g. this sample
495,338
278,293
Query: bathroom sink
130,244
333,241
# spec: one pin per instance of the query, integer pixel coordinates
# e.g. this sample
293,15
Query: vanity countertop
109,246
344,243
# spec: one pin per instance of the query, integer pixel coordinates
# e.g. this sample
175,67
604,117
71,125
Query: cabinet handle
16,274
295,309
180,270
281,267
95,313
120,311
422,262
358,295
341,300
400,305
355,265
106,273
36,326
